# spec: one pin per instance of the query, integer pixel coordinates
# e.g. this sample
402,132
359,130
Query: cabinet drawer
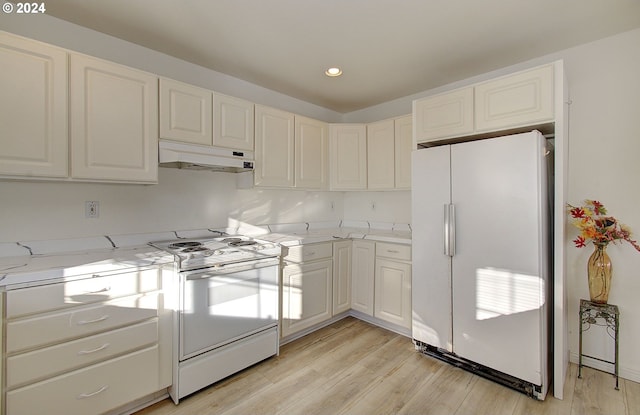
311,252
92,390
394,251
85,291
44,363
57,327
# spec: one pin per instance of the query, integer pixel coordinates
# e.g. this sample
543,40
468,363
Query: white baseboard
623,372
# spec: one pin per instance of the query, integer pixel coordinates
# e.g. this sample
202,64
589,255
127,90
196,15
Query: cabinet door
306,295
445,115
525,98
404,146
233,123
114,122
33,108
362,276
311,153
348,156
393,292
185,112
341,276
274,147
380,155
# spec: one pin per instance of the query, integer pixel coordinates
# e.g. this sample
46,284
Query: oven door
219,306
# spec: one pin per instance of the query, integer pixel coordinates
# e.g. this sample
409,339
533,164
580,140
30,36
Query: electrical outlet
91,209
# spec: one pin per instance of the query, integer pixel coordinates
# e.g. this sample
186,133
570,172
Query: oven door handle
231,268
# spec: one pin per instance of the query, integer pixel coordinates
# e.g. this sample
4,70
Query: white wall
182,200
388,207
604,146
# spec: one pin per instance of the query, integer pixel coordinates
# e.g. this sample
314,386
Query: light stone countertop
30,263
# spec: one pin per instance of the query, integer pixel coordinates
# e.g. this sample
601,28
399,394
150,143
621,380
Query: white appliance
228,308
480,277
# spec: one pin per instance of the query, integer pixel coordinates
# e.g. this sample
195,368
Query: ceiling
387,48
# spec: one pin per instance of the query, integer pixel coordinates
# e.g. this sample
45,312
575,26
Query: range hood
198,157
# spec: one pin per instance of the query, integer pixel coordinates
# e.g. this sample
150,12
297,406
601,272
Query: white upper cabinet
33,108
515,101
185,112
274,147
444,115
114,122
311,153
233,124
380,155
524,98
403,147
348,156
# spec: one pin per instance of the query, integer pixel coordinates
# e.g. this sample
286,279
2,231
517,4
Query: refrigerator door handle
449,230
445,229
452,229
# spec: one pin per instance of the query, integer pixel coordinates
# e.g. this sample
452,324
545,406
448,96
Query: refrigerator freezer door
431,267
499,274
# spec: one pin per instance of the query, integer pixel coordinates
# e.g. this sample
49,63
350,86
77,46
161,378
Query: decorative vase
599,274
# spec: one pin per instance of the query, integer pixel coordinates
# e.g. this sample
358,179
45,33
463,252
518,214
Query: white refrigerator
480,277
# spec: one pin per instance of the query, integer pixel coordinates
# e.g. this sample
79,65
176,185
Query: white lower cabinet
363,269
393,284
381,281
86,346
91,390
306,287
341,276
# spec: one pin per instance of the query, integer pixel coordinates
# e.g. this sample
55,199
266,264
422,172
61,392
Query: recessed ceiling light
333,72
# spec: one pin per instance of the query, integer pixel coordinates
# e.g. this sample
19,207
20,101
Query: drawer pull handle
311,253
102,290
393,251
97,349
88,395
97,320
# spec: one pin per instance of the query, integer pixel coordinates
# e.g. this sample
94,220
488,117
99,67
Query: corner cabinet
348,156
274,147
522,99
114,122
380,155
311,163
362,276
341,276
33,108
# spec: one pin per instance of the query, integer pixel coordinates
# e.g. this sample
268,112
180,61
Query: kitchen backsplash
183,199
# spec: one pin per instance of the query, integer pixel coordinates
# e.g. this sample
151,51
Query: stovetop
217,252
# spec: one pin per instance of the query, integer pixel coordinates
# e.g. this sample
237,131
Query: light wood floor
352,367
